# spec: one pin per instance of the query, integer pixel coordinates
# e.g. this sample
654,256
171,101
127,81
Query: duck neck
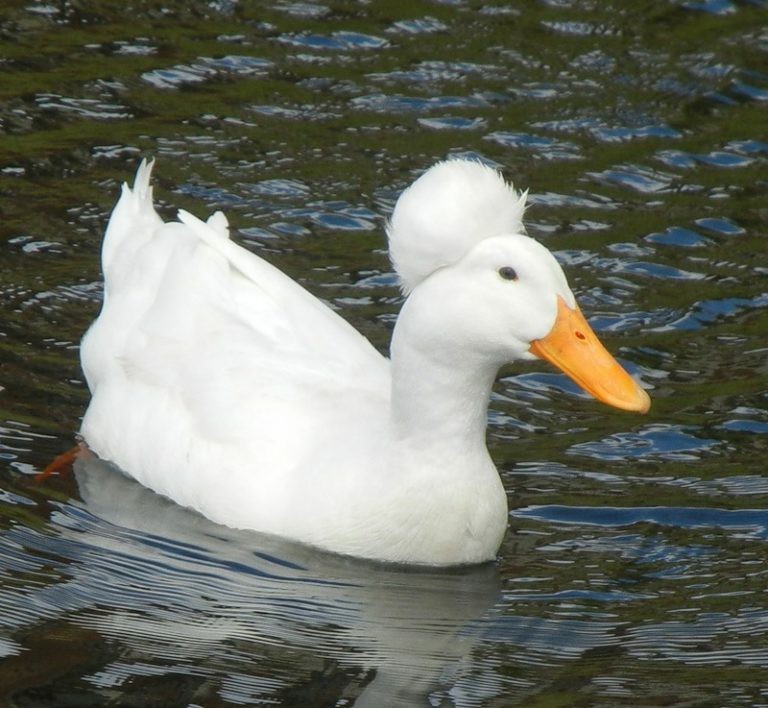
439,393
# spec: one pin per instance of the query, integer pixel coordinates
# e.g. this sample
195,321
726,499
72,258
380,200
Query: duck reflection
268,619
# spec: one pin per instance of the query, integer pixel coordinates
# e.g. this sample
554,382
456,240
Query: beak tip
645,403
638,402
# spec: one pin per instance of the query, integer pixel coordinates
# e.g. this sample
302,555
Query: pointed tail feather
132,224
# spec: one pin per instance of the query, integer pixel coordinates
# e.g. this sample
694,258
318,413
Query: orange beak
574,348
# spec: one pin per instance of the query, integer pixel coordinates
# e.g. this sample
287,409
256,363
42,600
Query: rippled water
634,571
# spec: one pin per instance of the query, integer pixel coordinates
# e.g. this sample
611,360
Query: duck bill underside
573,347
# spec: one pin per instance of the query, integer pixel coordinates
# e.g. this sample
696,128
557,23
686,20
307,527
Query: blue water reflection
678,236
656,441
752,523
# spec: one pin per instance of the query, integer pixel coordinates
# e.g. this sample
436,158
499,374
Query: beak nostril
581,336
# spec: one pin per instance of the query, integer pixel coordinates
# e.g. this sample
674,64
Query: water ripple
91,108
707,312
439,71
720,225
745,90
716,158
337,41
752,521
204,69
452,123
621,134
664,442
656,270
713,7
424,25
547,148
680,237
303,9
640,179
397,103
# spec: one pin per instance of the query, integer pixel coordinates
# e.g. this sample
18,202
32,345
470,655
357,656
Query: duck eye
508,273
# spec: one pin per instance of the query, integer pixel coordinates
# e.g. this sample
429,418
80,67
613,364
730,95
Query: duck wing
205,340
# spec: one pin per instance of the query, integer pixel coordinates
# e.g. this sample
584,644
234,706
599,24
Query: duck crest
446,212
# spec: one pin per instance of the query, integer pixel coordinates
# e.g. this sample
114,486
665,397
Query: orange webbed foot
63,463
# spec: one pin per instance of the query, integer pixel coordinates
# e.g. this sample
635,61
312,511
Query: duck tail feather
133,222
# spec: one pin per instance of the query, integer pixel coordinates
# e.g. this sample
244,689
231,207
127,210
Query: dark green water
635,569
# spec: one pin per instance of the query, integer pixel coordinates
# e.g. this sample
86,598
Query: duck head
485,289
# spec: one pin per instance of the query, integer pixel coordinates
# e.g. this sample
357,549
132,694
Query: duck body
222,384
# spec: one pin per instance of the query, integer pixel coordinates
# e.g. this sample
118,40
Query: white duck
222,384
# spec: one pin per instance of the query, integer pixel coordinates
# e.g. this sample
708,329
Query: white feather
221,383
445,213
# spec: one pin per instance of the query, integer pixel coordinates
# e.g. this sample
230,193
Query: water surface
634,570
